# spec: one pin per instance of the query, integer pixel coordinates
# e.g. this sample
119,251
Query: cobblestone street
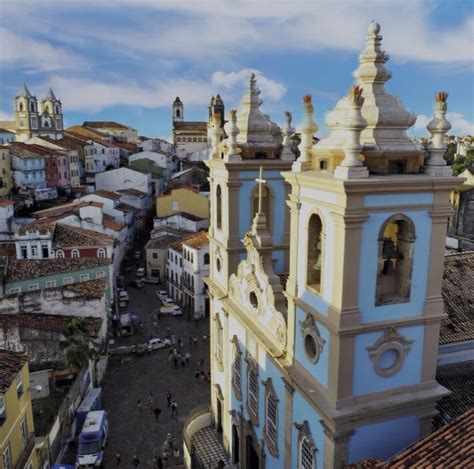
133,430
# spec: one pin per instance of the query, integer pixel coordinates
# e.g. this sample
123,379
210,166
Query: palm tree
78,346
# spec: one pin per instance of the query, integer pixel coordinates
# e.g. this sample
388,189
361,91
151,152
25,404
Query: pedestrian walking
168,331
183,361
197,373
175,361
170,356
118,457
173,339
176,455
187,356
174,409
139,404
190,340
204,338
169,396
157,413
195,340
201,362
180,342
135,461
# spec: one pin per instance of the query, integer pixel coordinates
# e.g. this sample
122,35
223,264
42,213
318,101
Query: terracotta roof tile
6,202
197,240
133,192
458,294
10,365
22,150
109,222
107,194
104,125
191,125
459,379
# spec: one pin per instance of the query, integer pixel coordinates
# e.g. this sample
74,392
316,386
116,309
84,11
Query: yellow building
17,438
5,171
182,200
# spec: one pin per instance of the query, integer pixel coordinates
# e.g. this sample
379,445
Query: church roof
190,125
24,92
458,294
51,95
104,125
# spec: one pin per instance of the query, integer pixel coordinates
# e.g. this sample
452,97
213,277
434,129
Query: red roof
6,202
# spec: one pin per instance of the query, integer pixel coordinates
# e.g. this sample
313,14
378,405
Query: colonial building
120,132
192,136
325,322
31,119
6,182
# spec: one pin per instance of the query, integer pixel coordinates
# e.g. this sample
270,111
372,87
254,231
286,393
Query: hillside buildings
325,322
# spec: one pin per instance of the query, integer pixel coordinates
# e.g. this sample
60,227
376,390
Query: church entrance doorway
219,416
253,461
235,445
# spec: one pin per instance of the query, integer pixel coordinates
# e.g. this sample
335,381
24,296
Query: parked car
137,284
141,272
137,255
123,295
162,294
153,280
156,344
172,309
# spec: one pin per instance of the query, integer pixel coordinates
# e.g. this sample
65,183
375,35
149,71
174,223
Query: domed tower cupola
386,147
178,110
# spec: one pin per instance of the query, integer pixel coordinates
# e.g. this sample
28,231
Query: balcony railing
26,453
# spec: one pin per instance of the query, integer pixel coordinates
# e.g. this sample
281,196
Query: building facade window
100,274
50,283
395,260
3,407
271,417
33,287
24,432
219,208
237,369
19,384
306,447
7,457
314,266
14,291
67,281
60,254
219,352
75,253
206,258
84,277
101,253
252,390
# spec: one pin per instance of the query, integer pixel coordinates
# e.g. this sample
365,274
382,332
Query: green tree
78,346
450,152
462,162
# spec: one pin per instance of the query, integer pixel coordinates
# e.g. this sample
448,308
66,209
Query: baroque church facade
33,119
325,278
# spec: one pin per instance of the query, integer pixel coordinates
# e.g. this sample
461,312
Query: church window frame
307,450
101,254
252,390
20,107
268,204
315,253
271,417
60,254
236,380
206,259
219,343
313,343
219,207
75,254
396,249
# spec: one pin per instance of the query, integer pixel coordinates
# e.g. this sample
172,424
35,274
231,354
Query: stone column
353,123
232,131
438,127
308,129
216,133
286,153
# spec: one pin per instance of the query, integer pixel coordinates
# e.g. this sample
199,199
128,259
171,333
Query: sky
126,60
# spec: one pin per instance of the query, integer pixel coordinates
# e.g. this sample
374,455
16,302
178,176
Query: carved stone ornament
312,340
392,345
259,291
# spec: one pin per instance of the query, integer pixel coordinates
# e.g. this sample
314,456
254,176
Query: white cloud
270,89
459,124
25,52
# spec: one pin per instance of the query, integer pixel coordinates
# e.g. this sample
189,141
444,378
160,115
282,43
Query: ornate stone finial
215,133
232,131
352,123
308,129
374,28
286,153
438,127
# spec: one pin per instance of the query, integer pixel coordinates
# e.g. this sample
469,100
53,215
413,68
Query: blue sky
126,60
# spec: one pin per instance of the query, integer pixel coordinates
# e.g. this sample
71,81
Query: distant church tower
30,121
178,110
216,106
325,278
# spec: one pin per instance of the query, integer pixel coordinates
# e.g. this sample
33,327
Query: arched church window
237,369
267,204
271,417
57,110
323,165
395,260
20,107
178,113
206,258
46,109
32,107
306,447
314,267
219,352
219,207
194,139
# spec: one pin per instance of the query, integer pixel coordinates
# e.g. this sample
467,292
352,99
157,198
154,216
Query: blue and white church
325,279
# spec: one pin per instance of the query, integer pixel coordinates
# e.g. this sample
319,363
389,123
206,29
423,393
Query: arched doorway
235,445
252,457
219,416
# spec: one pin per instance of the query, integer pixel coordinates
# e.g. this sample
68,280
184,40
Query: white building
182,221
174,271
124,178
163,160
6,219
196,260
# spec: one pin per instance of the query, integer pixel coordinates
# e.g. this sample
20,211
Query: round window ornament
388,353
312,341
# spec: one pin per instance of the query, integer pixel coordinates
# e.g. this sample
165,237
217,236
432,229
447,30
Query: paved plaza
133,429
